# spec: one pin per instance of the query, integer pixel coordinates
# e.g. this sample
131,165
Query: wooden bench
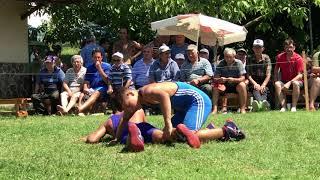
20,105
233,100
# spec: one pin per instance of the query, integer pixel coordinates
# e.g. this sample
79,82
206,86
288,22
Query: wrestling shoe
192,139
136,142
232,132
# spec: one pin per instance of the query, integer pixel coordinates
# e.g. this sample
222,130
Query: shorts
145,128
192,106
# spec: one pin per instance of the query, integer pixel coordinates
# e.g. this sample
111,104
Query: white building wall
13,32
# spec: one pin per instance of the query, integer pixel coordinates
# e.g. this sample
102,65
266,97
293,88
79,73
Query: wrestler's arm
163,97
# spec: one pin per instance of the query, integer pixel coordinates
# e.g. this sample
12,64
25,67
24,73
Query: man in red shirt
290,65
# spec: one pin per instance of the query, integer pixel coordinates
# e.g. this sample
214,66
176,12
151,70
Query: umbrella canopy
210,30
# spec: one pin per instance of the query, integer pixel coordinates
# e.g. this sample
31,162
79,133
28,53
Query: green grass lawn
278,145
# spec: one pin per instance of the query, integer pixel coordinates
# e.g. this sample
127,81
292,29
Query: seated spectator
95,82
290,65
314,83
72,85
229,78
204,53
47,87
120,74
259,74
180,46
140,70
164,69
180,59
197,71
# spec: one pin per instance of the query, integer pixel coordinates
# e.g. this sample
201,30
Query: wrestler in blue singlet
146,129
192,106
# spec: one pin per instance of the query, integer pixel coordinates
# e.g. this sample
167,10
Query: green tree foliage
71,22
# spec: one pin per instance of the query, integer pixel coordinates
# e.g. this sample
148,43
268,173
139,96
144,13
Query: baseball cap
204,50
242,50
179,56
258,42
118,54
50,58
164,48
192,47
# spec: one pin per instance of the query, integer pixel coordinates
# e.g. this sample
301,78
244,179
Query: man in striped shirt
140,70
120,74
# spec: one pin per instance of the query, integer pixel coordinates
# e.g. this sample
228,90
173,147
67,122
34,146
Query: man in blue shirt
164,69
49,83
86,51
95,81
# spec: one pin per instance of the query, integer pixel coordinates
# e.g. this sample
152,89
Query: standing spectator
180,59
86,51
72,85
95,81
157,42
105,44
180,46
290,65
197,71
130,49
229,78
140,70
259,74
49,83
164,69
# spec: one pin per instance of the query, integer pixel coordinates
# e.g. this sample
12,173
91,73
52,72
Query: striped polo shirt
140,72
75,80
120,75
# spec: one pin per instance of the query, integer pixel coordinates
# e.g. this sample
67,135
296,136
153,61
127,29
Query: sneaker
232,132
294,109
265,105
211,126
136,142
283,109
192,139
255,106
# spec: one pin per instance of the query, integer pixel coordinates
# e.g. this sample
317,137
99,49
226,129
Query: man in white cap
259,73
180,59
164,69
120,74
204,53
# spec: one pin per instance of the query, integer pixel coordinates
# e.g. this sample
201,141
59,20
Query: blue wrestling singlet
192,106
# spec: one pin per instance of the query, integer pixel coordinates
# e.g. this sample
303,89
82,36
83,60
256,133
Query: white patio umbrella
210,30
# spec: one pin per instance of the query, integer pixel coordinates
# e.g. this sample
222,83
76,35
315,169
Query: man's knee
241,86
278,84
296,84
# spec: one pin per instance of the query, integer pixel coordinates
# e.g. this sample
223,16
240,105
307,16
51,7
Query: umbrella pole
215,59
198,35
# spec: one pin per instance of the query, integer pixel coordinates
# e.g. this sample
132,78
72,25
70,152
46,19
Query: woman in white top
72,85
